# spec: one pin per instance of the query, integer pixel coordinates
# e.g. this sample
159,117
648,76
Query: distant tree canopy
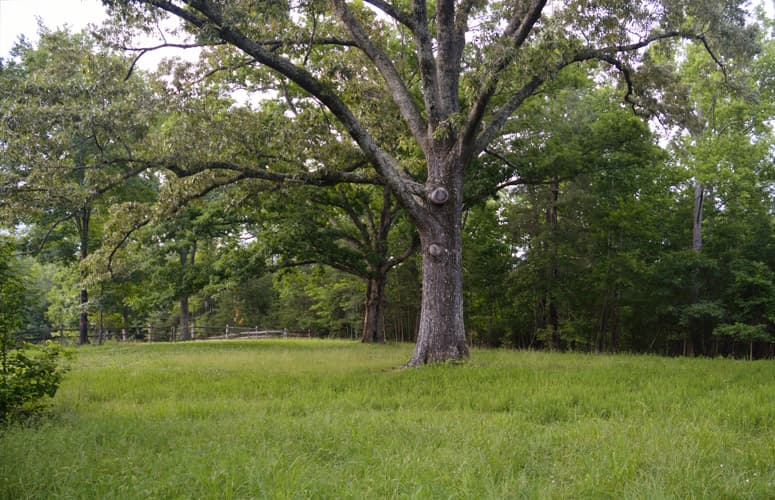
71,123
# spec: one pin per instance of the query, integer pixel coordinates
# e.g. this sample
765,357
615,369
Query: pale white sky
19,16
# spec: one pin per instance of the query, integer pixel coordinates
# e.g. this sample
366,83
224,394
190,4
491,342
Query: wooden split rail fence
152,333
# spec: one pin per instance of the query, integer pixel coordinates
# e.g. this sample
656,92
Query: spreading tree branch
48,234
144,50
408,252
202,13
395,85
391,10
318,178
606,54
516,34
428,71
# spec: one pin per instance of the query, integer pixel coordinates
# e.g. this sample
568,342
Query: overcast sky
19,16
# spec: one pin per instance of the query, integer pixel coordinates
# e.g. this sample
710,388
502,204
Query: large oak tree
453,71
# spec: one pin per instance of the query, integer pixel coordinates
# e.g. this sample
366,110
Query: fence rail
151,333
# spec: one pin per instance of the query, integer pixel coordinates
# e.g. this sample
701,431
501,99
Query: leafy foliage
28,373
11,293
29,376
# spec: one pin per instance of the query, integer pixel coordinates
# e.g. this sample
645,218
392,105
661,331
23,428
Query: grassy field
329,419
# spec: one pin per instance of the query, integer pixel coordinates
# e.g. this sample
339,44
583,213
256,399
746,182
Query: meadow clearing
335,419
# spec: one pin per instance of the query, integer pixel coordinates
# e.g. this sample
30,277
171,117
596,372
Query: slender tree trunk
604,316
615,328
699,198
100,331
554,323
83,322
185,316
551,219
185,313
82,221
690,342
125,322
374,317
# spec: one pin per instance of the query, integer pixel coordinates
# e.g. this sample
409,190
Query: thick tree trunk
441,335
374,316
441,332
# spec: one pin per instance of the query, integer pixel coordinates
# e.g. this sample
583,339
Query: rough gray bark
441,334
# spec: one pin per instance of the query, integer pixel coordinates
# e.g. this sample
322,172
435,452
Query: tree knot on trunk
435,250
438,196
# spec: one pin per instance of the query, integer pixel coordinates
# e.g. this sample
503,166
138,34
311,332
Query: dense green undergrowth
328,419
29,375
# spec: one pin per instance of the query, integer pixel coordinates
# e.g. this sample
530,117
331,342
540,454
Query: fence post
227,331
150,333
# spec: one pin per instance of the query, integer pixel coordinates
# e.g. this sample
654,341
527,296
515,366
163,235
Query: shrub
29,376
28,373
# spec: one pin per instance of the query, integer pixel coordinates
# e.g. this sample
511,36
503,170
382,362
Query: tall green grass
329,419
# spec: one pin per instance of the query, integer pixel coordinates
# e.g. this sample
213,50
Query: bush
29,376
28,373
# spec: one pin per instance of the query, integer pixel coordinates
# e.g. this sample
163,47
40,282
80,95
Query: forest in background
609,230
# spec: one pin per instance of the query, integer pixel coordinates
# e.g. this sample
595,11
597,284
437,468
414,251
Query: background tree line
585,225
